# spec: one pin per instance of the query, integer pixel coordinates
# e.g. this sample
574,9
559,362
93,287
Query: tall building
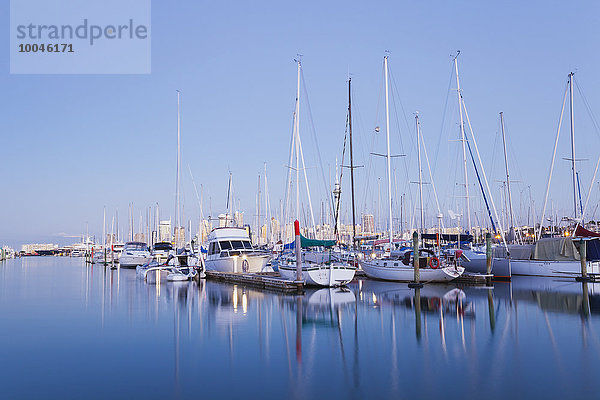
164,231
368,223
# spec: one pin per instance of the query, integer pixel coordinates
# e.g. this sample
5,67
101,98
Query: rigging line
287,199
395,110
329,196
431,178
587,106
337,205
437,151
481,187
373,137
553,159
484,176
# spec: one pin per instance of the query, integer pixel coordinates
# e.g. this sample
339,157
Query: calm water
72,331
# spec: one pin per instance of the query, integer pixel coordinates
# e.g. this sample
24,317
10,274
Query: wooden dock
265,280
473,279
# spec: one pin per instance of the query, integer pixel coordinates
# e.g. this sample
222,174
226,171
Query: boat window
214,248
247,244
237,244
225,245
136,246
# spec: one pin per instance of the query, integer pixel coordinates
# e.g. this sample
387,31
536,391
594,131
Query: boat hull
397,271
551,268
126,261
256,263
335,274
477,263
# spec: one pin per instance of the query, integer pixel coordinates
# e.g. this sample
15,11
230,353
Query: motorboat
230,250
134,254
161,251
174,270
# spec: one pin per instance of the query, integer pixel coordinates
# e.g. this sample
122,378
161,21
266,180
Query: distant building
368,223
34,247
164,231
179,236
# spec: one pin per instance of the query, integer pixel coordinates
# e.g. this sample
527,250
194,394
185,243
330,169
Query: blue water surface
71,331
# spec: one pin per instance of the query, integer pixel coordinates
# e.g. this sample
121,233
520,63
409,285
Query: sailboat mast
463,140
297,144
351,164
418,129
389,168
573,167
510,207
177,216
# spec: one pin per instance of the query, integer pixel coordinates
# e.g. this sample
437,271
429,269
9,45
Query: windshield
237,244
225,245
136,246
247,244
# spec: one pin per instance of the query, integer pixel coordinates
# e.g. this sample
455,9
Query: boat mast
297,144
267,239
573,166
510,207
463,140
351,164
389,168
418,129
177,216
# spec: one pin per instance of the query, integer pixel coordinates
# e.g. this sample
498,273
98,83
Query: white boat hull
392,270
255,263
477,263
551,268
133,261
335,274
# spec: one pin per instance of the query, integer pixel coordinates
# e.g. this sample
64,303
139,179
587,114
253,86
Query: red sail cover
582,232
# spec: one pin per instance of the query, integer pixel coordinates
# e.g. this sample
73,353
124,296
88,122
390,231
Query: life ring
245,266
434,262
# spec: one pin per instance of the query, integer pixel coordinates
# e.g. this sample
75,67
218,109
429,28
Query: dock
473,279
265,280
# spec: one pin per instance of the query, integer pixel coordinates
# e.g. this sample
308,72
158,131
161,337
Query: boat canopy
447,237
582,232
306,242
555,249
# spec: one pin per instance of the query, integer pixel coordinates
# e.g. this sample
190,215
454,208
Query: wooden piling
416,284
488,256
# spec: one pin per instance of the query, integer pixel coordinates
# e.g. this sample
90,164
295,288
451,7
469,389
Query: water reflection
372,337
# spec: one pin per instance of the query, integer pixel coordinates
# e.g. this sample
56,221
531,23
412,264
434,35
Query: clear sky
73,144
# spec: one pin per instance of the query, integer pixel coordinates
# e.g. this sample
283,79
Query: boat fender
434,262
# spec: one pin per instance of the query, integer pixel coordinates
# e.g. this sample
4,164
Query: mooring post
583,256
488,257
416,284
585,306
417,300
299,281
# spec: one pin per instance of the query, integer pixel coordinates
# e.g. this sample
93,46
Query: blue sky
73,144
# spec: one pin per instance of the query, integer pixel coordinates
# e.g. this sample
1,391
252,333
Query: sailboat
474,259
321,267
392,268
556,256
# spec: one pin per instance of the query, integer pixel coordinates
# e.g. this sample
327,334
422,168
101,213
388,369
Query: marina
357,200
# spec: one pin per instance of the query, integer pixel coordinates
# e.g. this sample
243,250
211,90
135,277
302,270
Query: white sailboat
316,269
392,268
